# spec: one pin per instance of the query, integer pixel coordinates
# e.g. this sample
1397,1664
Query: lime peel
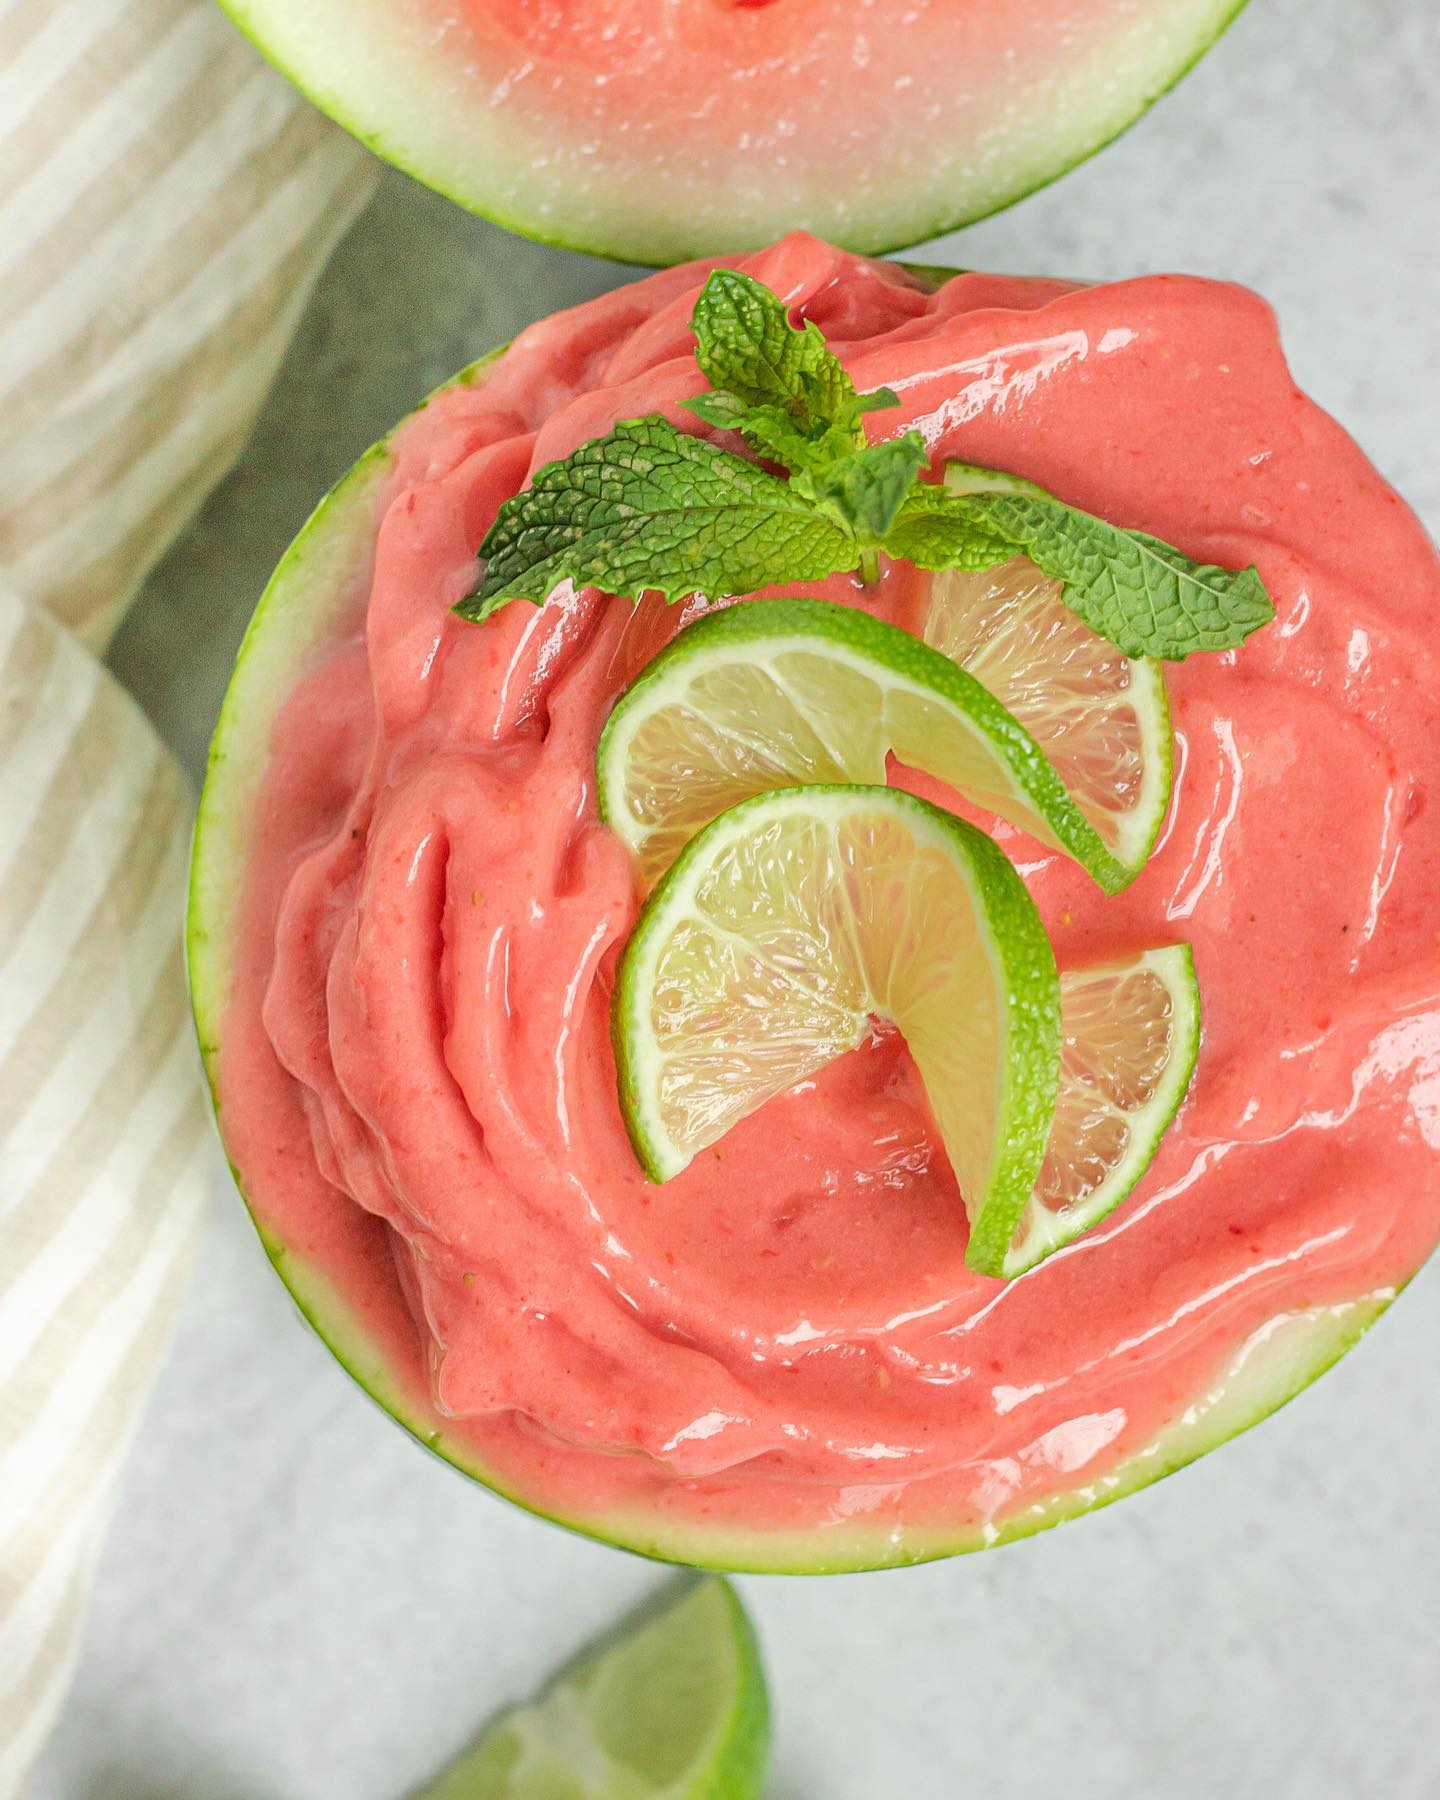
675,1708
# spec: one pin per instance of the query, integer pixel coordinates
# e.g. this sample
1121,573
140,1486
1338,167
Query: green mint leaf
970,478
771,432
868,489
1146,597
934,532
726,412
649,507
934,542
746,345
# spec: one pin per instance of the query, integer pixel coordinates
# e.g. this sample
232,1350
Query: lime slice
789,923
782,693
1130,1034
674,1710
1101,718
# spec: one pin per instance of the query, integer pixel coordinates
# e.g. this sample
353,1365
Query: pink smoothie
418,1086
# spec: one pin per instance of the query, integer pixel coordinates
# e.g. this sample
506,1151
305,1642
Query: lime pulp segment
790,922
676,1709
1101,718
780,693
1130,1035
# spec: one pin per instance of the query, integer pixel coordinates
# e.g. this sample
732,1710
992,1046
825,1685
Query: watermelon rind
319,583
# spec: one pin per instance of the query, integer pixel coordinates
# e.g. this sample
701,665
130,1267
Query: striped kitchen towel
166,202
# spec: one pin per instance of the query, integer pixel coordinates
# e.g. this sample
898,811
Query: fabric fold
167,202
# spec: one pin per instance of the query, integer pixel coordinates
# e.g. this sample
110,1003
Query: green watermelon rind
329,558
248,17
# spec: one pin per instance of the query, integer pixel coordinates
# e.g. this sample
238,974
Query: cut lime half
791,922
781,693
1101,718
675,1709
1130,1034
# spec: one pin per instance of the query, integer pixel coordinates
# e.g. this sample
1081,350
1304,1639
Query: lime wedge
1130,1034
782,693
793,920
674,1710
1101,718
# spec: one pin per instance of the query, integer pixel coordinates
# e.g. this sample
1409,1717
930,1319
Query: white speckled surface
298,1605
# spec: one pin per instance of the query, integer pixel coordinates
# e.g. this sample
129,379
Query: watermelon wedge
656,130
310,602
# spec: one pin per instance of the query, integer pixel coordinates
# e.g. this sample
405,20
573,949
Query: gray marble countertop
295,1604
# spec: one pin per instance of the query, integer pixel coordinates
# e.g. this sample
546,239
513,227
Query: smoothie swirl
420,1087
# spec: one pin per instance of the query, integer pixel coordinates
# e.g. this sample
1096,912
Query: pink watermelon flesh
654,130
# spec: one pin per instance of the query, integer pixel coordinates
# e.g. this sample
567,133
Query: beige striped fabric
166,201
103,1144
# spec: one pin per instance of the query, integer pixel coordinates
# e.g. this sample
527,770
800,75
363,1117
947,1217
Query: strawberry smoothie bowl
908,1048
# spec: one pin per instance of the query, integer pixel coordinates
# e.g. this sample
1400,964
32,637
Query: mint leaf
1146,597
934,542
649,507
746,345
941,536
779,385
785,392
770,431
726,412
970,478
868,489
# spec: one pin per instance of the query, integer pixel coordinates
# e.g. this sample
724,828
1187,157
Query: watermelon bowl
768,1375
655,130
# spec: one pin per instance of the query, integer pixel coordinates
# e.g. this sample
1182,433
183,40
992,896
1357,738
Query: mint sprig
650,508
653,508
